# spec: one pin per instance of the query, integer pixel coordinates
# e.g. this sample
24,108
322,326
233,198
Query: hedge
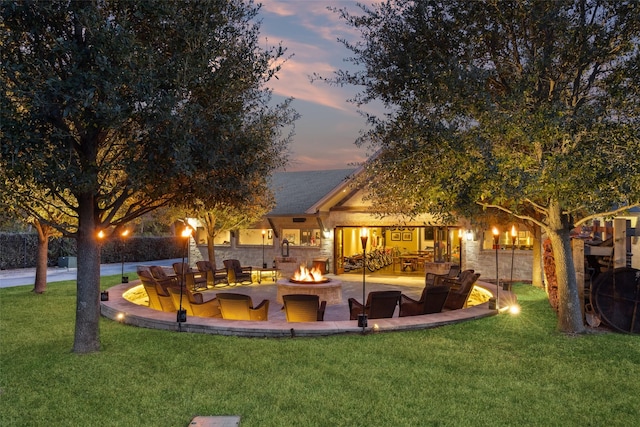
19,250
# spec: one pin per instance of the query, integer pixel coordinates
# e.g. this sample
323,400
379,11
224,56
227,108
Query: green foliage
502,370
138,104
499,103
531,108
110,110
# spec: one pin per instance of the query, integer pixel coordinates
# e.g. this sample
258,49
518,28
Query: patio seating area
336,318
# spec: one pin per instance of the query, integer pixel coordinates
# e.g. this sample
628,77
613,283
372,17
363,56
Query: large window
223,238
302,236
253,236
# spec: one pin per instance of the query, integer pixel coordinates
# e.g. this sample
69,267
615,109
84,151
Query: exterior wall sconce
284,250
469,235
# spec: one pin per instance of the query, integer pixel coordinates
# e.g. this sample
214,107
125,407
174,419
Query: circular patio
336,317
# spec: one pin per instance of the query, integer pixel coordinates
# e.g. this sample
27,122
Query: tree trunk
87,338
211,250
40,285
569,312
210,224
536,268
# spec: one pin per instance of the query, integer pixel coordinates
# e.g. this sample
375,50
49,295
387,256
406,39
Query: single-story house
318,218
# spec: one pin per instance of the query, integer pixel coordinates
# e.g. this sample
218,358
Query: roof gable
296,192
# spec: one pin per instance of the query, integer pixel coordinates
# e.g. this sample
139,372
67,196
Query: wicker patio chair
431,301
194,303
303,308
432,279
380,304
459,291
236,273
215,276
159,297
240,307
195,279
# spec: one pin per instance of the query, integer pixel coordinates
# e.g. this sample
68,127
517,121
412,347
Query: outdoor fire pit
311,282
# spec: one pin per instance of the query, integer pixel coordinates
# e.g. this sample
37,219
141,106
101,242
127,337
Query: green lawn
501,370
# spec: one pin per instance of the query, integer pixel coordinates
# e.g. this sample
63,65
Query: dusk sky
328,127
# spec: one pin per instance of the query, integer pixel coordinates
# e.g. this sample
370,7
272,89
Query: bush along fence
19,250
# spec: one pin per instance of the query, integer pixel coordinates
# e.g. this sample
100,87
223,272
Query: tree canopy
116,108
529,107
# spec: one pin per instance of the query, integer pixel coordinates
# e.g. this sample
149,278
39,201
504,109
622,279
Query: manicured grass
502,370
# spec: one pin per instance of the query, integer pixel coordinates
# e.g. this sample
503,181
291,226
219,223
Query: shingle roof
295,192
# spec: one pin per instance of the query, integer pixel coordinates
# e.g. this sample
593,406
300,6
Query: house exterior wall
483,261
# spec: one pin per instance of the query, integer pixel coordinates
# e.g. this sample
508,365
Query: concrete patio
336,316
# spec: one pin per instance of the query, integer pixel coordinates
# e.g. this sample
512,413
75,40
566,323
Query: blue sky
329,125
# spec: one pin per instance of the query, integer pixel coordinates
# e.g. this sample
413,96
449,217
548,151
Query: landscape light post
264,264
104,295
364,236
460,234
182,313
514,234
123,235
496,246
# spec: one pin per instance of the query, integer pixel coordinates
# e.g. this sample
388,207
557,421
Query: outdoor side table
266,272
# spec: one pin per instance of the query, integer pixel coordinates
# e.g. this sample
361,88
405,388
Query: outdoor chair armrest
409,306
323,306
261,311
355,308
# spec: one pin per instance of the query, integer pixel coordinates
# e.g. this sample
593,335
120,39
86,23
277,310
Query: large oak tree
116,108
529,107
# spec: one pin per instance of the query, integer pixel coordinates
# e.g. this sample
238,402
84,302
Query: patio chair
431,301
161,276
195,279
433,279
303,308
380,305
159,297
194,303
240,307
236,273
459,290
215,276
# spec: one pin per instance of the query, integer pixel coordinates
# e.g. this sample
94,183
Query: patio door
338,250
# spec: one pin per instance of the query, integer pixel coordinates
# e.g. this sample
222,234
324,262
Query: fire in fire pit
304,275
